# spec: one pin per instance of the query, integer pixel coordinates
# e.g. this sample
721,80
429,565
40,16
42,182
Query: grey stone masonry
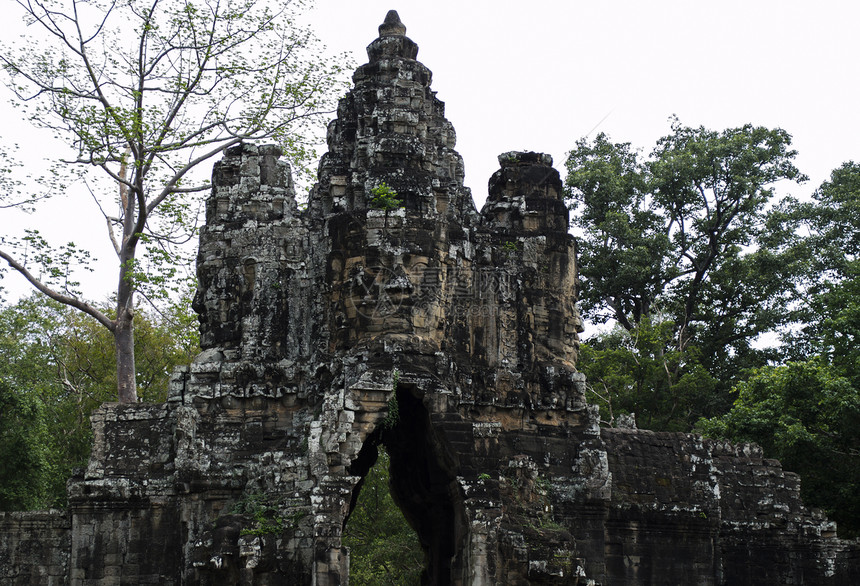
34,547
418,323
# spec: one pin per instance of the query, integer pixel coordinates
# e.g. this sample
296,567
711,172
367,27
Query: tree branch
171,184
64,299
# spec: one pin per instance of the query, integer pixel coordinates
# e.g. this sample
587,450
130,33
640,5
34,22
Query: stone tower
447,335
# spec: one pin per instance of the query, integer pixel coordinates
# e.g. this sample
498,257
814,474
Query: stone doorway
423,484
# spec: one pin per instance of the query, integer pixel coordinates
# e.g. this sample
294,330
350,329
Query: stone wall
446,334
34,548
723,507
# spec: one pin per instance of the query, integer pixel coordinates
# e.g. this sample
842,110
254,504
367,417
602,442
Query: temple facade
391,312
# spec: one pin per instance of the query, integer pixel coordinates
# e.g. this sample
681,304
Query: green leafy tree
806,414
668,251
145,93
629,372
824,233
56,367
24,462
383,548
623,245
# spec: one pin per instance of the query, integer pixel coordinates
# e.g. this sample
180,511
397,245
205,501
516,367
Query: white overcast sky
538,75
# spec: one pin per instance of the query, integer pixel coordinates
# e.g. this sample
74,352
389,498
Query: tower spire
392,26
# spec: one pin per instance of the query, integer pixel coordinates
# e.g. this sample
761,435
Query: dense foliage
806,411
693,262
56,367
639,371
25,469
807,414
383,548
670,252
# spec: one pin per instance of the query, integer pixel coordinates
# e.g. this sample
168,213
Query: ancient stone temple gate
445,334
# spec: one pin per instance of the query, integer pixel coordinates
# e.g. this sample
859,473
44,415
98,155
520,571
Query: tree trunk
125,368
123,333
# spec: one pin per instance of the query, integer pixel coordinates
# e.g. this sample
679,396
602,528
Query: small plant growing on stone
385,198
295,518
262,512
511,246
393,416
484,476
551,524
543,485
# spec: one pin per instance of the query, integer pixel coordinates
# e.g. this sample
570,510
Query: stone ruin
445,334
